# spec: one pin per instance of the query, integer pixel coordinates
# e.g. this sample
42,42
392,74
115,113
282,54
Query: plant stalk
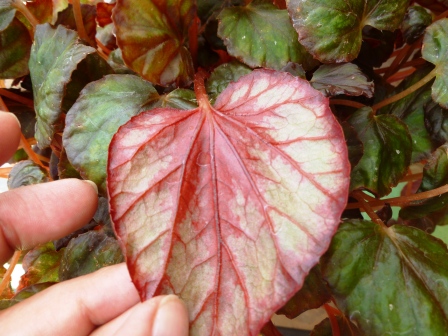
79,22
406,92
359,195
346,102
21,7
13,262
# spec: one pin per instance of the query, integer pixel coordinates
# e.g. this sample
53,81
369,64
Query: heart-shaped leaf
102,107
331,30
15,46
229,206
260,35
335,79
435,50
152,38
387,151
54,56
406,265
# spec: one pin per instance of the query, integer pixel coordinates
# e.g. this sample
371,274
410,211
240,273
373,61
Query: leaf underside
229,206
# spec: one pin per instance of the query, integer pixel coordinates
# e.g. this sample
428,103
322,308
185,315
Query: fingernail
171,318
92,184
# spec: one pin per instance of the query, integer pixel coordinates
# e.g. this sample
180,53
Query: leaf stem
333,321
13,262
79,22
199,89
17,98
21,7
406,92
402,200
193,39
346,102
359,195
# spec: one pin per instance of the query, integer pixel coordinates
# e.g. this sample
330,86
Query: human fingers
74,307
39,213
159,316
9,135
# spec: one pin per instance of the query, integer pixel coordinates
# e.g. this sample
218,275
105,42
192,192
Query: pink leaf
229,206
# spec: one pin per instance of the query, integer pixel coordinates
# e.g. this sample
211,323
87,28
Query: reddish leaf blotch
229,206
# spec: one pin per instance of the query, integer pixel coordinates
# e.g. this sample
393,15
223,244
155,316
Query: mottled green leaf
223,76
54,56
294,69
183,99
387,151
436,121
26,173
389,281
414,23
410,110
102,107
435,174
331,29
88,12
115,60
41,264
152,38
313,294
87,253
261,35
348,79
435,50
7,13
15,45
346,328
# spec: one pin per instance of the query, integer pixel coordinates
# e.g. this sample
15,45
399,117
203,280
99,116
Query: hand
102,303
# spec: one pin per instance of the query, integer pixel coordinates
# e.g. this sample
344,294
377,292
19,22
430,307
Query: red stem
199,89
193,39
333,321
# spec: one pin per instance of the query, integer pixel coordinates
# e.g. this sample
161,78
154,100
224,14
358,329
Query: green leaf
87,253
7,13
335,79
390,281
346,328
102,107
54,56
15,46
410,110
223,76
25,293
65,168
261,35
115,60
41,264
183,99
26,173
313,294
331,30
414,23
436,121
435,175
387,151
435,50
152,38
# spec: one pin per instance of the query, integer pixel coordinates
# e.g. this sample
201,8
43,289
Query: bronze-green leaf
261,35
26,173
331,30
54,56
151,35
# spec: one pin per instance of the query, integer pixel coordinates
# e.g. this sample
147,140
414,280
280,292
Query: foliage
229,140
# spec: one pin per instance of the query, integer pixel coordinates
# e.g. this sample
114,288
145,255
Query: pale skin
102,303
